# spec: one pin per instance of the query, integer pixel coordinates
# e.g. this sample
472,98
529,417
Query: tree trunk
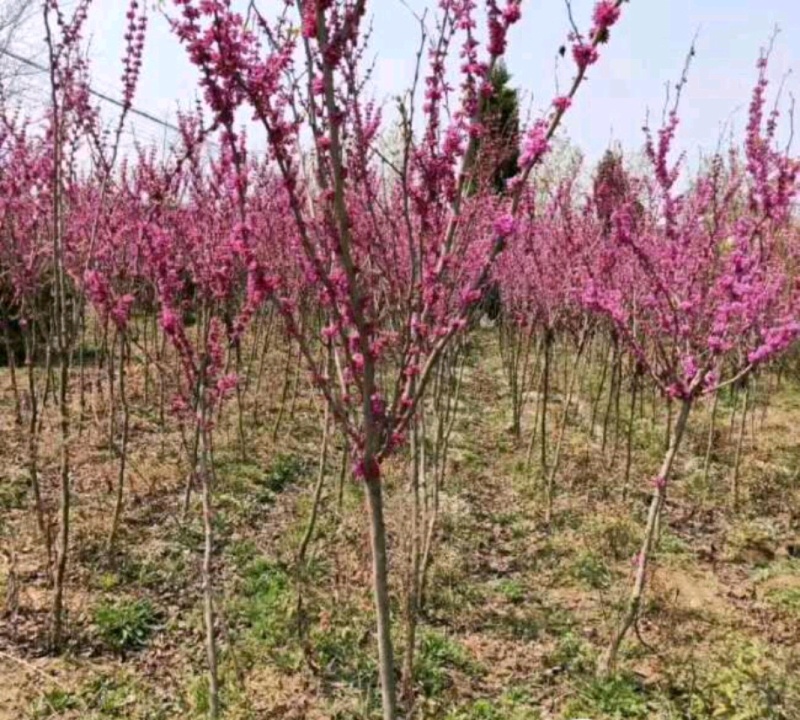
629,442
735,490
380,578
284,393
710,442
12,370
208,588
548,347
598,396
62,549
611,391
123,449
33,449
413,576
551,476
608,661
323,462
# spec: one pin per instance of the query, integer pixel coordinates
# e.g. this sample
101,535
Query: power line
96,93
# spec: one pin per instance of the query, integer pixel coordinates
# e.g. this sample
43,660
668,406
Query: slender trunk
754,398
617,414
641,404
535,425
323,462
187,491
765,403
735,490
208,588
261,365
162,392
253,354
62,549
524,379
446,425
629,442
123,449
598,396
112,403
611,390
81,367
548,345
551,476
412,579
342,478
146,358
710,441
668,429
33,450
62,338
12,370
380,576
284,393
295,384
735,391
608,660
240,406
654,407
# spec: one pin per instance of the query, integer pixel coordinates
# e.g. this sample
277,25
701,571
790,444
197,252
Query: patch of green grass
284,470
512,590
200,696
244,481
615,698
512,705
618,537
449,596
345,653
262,611
13,492
125,625
111,697
54,703
753,542
511,520
786,599
109,581
744,681
472,460
189,536
237,476
531,620
438,654
782,566
89,353
590,569
572,654
671,544
166,571
242,552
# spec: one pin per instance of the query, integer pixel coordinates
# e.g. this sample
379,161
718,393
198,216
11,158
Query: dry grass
516,614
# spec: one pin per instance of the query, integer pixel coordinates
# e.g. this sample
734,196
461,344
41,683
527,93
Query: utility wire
96,93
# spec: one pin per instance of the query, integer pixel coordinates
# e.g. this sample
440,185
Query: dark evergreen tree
496,159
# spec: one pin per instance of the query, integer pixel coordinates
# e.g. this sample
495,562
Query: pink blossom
562,103
505,225
605,14
535,146
584,54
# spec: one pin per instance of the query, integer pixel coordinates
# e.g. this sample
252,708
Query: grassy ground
515,617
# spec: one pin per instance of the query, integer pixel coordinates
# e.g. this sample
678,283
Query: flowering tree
698,284
397,259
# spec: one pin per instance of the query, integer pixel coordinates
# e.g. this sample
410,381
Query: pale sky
647,50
